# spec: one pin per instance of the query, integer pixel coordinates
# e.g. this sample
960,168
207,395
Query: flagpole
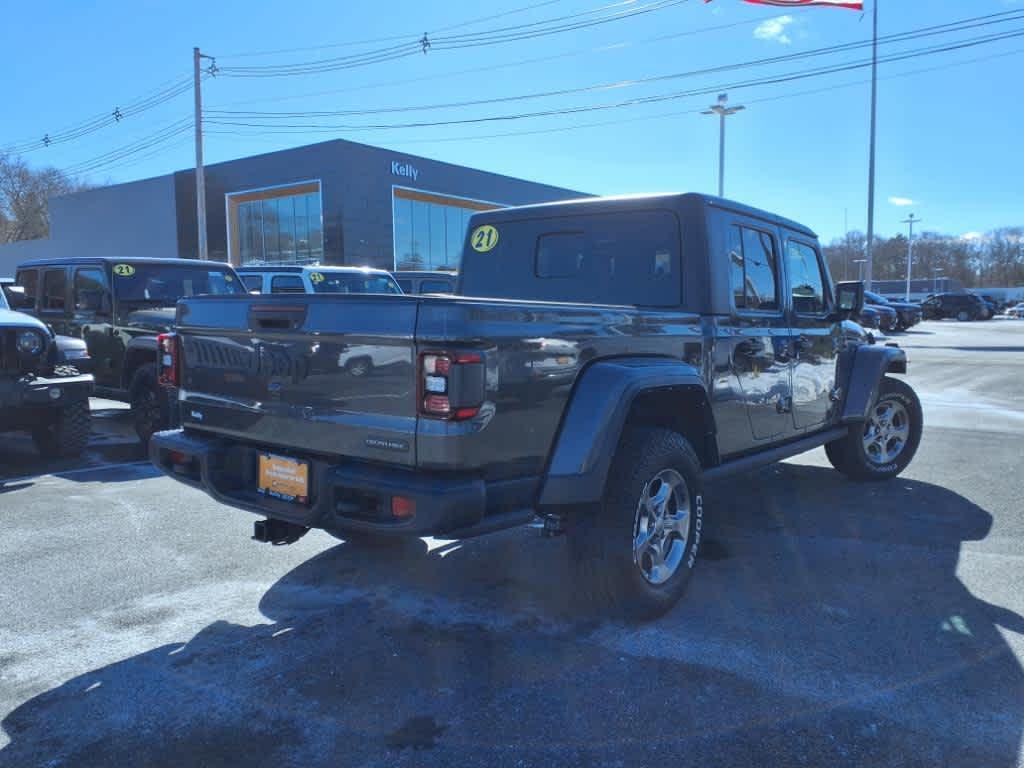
871,159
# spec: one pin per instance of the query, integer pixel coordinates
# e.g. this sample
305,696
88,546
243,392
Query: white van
317,279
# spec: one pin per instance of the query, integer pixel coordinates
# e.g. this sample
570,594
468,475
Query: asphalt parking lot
829,623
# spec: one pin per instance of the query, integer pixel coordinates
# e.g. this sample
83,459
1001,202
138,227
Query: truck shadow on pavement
825,626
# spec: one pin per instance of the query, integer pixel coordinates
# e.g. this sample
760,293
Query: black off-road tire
150,410
848,454
67,435
601,535
963,316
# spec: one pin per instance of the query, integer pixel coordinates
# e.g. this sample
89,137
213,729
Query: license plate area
283,478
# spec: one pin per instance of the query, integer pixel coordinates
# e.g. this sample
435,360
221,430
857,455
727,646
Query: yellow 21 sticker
316,277
124,270
484,238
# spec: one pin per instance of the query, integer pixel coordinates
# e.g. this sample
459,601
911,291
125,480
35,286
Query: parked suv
38,393
907,314
962,306
605,358
294,279
426,282
118,307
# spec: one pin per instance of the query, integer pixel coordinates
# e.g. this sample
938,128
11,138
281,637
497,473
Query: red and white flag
851,4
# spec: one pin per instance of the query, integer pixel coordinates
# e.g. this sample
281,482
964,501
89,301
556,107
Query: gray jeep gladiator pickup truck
603,359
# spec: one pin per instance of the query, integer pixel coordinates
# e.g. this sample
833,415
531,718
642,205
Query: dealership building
335,202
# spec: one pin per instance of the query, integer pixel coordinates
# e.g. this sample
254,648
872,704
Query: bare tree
24,192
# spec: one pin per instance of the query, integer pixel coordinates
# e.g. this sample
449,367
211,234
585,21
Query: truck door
93,320
816,333
755,340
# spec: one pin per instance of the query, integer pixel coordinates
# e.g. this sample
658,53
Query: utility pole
871,151
723,112
200,177
910,249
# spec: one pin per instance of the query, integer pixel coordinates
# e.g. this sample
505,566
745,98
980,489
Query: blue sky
949,138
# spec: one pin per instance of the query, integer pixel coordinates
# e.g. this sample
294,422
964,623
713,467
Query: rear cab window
626,258
253,282
287,284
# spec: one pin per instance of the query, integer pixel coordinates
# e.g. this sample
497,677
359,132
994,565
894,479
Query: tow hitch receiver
278,532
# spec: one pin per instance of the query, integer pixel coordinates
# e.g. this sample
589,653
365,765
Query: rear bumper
41,392
345,496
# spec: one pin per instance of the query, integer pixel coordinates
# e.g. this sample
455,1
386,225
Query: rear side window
806,281
29,280
753,269
252,282
55,289
287,284
405,285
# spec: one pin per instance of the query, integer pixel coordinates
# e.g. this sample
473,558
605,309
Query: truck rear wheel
149,407
888,440
67,435
636,549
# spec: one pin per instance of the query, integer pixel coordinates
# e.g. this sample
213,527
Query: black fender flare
867,364
595,417
146,345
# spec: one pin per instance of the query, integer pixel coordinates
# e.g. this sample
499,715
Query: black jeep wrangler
118,307
41,388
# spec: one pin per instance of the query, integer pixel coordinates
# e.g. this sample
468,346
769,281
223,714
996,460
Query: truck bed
338,376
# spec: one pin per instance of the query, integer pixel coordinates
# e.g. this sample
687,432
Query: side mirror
850,298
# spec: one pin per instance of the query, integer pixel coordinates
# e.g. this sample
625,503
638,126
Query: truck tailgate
329,374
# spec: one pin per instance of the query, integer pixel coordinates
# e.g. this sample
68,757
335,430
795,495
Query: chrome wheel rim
886,432
662,526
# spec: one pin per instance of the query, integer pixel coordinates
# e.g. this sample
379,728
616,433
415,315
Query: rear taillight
167,358
451,385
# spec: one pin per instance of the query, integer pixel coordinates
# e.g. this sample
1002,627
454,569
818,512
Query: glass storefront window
431,229
281,225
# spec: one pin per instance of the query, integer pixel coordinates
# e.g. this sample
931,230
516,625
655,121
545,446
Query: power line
828,50
170,131
676,113
789,77
497,67
117,114
422,45
387,39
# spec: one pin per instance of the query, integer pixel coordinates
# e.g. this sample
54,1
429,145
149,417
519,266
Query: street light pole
723,112
910,220
871,150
